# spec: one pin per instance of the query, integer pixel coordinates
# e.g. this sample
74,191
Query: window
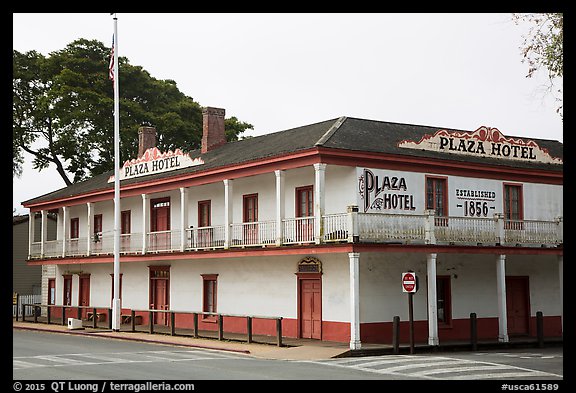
443,300
209,289
513,206
74,228
437,198
304,202
51,291
250,214
125,222
67,295
205,235
97,236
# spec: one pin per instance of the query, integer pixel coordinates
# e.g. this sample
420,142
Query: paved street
49,356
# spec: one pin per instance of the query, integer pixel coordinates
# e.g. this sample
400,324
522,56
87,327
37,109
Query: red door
517,305
160,224
250,214
304,208
84,294
159,298
310,309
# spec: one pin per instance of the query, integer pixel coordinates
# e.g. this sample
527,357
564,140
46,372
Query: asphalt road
48,356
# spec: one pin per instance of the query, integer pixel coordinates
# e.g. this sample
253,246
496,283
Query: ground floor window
51,291
209,294
67,295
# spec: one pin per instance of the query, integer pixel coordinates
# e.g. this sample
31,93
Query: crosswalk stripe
516,374
23,364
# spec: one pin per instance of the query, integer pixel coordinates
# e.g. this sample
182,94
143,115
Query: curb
103,335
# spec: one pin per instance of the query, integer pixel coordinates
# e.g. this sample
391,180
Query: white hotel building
316,225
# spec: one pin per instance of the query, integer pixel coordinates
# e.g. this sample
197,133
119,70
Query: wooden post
48,313
23,312
133,320
35,310
172,324
540,328
195,319
94,318
150,322
396,334
279,331
63,315
249,329
220,327
110,318
474,331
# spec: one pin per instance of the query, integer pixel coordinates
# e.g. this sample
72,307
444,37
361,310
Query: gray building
27,280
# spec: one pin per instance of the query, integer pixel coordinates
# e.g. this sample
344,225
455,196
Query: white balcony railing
342,227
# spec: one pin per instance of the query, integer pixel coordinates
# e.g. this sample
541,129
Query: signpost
410,286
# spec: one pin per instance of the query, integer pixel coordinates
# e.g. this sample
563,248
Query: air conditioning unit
74,324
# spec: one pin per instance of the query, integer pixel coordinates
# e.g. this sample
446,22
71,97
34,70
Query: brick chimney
146,139
213,134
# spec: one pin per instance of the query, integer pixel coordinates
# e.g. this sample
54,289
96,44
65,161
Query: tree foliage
543,46
63,111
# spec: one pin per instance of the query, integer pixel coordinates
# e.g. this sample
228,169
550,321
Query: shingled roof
345,133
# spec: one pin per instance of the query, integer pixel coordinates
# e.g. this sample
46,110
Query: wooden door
304,208
250,215
310,309
160,224
159,295
84,294
518,305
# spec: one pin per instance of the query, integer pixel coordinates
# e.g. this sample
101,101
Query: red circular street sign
408,282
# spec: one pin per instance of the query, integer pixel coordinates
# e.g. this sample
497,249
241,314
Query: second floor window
74,228
513,206
437,198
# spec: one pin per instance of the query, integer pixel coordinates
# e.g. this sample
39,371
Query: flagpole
116,301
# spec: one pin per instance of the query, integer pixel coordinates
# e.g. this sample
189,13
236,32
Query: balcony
351,227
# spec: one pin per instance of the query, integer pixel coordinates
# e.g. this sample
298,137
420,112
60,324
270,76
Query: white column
228,193
501,288
145,221
354,300
89,223
64,229
183,217
43,231
280,205
31,229
561,276
319,192
432,300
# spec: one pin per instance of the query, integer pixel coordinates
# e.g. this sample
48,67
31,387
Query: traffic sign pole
411,318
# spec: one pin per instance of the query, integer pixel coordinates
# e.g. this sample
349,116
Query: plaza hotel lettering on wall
154,161
384,192
485,142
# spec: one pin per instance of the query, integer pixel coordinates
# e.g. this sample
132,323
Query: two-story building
316,224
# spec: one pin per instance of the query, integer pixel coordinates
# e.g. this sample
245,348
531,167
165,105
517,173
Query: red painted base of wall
374,332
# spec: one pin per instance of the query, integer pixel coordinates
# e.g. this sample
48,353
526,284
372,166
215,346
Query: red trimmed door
84,293
160,223
518,305
310,309
159,295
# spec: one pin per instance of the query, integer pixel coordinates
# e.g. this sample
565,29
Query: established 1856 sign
484,142
154,161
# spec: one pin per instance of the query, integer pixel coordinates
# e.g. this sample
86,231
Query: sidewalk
292,349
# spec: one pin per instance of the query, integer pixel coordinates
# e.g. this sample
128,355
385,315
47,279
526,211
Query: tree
543,47
63,111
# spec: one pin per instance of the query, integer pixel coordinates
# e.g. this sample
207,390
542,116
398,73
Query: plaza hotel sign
484,142
154,161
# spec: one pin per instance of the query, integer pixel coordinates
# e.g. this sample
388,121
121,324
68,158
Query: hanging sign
484,142
154,161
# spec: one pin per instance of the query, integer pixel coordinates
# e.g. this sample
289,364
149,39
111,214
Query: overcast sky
279,71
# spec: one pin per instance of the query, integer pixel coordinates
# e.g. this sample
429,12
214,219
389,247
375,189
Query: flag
111,68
